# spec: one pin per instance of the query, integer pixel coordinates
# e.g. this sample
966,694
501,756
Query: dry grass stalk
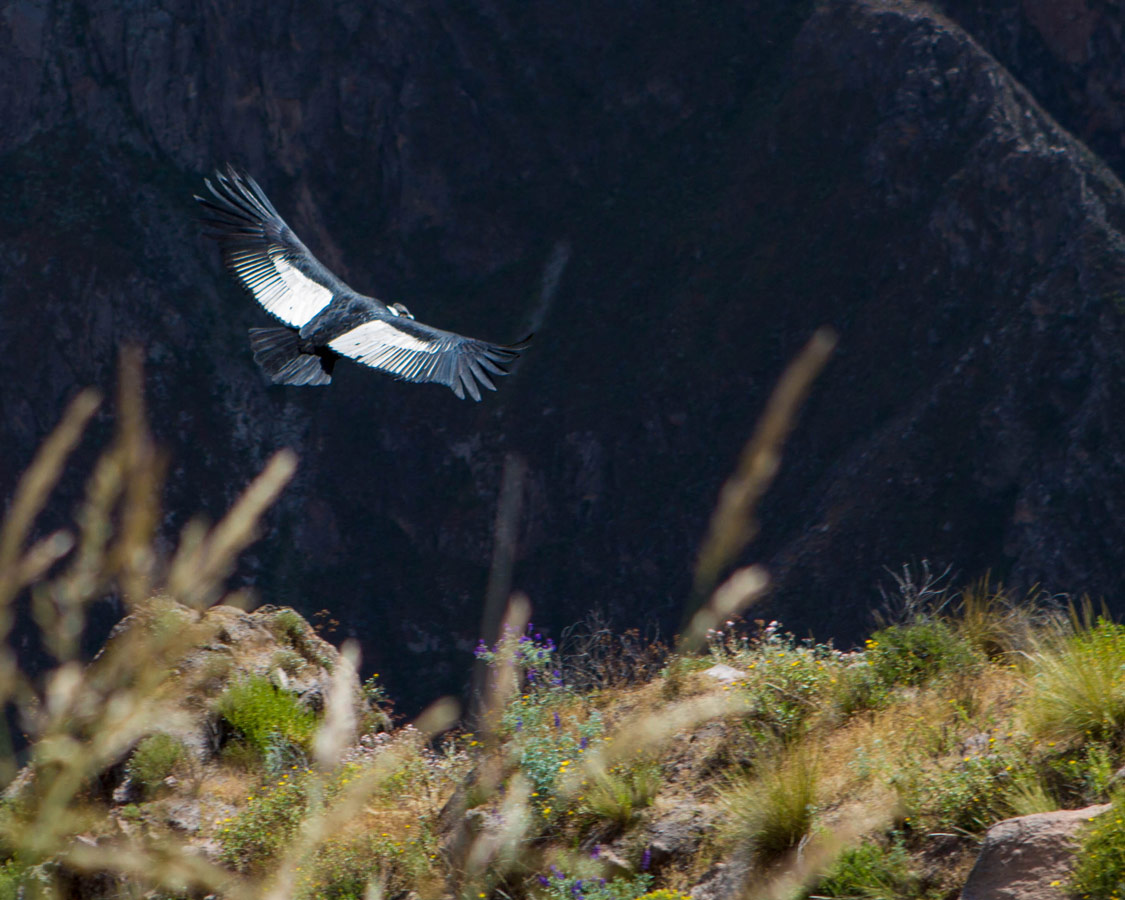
732,524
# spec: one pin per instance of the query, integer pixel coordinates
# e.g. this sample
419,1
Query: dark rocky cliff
726,177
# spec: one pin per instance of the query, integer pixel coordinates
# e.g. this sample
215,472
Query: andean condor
324,318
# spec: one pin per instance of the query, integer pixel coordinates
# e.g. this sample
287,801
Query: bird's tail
278,352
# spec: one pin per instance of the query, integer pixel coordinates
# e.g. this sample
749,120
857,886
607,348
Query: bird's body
324,319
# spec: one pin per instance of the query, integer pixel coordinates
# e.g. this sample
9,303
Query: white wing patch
379,344
279,286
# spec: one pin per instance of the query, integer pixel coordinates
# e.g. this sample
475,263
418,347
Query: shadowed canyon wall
723,178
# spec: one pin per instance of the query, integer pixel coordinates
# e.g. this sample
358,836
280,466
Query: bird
322,319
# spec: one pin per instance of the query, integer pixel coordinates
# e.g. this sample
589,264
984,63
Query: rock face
722,181
1029,857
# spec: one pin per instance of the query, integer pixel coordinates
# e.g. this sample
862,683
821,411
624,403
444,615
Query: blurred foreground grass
209,752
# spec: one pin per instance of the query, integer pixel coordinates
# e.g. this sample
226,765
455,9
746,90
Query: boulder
1028,857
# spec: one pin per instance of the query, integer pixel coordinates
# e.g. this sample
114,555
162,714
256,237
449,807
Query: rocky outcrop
1029,858
722,181
1069,53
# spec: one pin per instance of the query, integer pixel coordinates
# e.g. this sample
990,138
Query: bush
560,886
1078,686
264,826
973,794
548,732
869,872
1099,869
343,868
12,881
154,760
913,655
785,682
858,688
264,715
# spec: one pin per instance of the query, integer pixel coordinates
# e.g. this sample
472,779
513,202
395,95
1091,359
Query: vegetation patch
266,824
1077,682
913,655
870,872
155,758
264,716
771,810
1100,868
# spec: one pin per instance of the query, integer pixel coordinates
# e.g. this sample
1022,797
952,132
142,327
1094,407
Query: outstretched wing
412,351
262,251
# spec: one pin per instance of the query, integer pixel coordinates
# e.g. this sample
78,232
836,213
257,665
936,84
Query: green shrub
1099,870
12,881
264,715
548,734
154,760
913,655
785,683
665,894
560,886
1081,775
288,626
265,825
869,872
343,868
858,688
1078,686
973,794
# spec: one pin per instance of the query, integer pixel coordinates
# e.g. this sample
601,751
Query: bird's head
399,310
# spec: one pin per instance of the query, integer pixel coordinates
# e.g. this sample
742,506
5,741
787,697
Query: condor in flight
325,319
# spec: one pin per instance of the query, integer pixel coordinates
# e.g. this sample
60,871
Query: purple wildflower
584,742
646,858
543,879
596,851
558,721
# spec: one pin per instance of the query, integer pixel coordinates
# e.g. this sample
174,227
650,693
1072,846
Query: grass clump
772,810
155,758
618,795
1099,869
1077,689
262,715
994,622
869,872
